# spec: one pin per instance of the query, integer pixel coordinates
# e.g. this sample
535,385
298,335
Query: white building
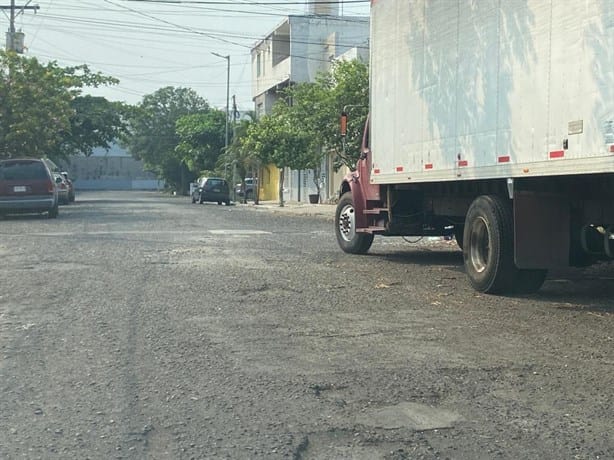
297,50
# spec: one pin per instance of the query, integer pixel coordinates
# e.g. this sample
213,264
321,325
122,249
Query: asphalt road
144,327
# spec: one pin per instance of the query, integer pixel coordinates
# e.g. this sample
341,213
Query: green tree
153,137
94,122
277,139
36,104
239,155
201,139
310,107
318,106
310,113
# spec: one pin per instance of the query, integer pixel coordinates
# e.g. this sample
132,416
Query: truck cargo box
481,89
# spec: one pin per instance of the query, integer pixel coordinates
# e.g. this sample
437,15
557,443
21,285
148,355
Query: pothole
418,417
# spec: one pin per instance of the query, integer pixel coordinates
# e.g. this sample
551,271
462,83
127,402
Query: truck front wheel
488,249
349,240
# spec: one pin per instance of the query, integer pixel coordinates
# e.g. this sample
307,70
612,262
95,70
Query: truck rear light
612,148
50,187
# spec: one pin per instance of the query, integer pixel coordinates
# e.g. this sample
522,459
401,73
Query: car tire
53,212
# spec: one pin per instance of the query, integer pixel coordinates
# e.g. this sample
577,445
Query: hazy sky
149,45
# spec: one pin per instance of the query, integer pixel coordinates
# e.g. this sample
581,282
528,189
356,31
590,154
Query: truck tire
345,228
488,242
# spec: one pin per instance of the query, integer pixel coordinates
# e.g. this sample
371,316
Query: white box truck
493,120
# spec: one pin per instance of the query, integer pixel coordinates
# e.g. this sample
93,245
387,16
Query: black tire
200,200
459,232
489,245
219,203
193,200
345,228
53,212
227,202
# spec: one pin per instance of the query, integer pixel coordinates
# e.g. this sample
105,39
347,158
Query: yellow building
268,183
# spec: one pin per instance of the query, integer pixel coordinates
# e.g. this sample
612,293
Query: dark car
212,189
71,186
27,186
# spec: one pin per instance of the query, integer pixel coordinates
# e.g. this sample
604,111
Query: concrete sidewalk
324,211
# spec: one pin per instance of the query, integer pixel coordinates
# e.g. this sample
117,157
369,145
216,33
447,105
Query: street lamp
227,93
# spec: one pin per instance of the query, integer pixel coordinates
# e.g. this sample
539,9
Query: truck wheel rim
347,228
479,249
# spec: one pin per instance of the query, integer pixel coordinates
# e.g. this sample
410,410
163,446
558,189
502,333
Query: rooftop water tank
323,7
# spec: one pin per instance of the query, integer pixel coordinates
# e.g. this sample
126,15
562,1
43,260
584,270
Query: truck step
375,211
371,229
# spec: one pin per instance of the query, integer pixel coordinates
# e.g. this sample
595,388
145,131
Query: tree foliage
153,135
239,158
94,122
348,85
38,106
345,88
277,139
201,139
304,124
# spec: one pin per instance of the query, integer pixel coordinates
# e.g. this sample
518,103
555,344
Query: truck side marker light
504,159
557,154
525,170
428,166
376,171
399,168
462,163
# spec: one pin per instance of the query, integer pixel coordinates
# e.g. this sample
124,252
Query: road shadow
588,289
424,256
580,289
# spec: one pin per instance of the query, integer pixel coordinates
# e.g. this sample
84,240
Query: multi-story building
297,50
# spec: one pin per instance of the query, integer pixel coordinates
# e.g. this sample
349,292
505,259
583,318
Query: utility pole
14,39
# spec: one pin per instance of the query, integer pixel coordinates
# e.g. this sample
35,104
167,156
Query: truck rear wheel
349,240
488,245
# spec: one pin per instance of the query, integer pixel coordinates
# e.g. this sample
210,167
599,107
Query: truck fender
351,183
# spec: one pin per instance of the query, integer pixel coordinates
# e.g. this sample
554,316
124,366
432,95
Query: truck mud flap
541,230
